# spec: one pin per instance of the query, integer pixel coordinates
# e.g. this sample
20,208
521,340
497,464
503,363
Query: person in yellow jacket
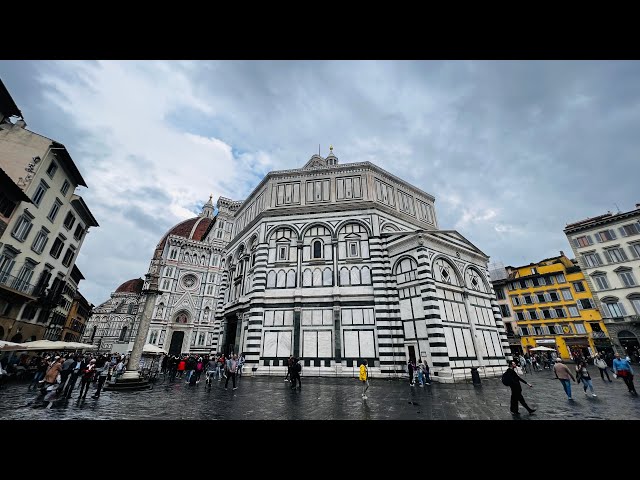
364,378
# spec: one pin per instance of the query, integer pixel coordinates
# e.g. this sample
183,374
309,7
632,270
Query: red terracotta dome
193,229
131,286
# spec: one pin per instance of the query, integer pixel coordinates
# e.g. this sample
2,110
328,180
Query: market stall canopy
542,349
9,346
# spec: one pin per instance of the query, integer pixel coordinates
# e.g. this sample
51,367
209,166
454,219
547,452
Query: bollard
475,376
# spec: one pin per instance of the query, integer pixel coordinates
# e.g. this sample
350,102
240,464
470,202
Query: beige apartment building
43,224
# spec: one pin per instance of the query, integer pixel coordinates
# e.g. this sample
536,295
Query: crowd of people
526,364
54,376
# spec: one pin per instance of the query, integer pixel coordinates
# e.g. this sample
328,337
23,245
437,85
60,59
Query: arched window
186,258
291,279
475,281
160,312
327,277
344,276
205,315
445,272
317,249
306,278
317,277
123,332
355,276
365,275
271,279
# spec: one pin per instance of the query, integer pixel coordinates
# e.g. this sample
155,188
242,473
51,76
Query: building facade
607,248
188,262
113,324
79,314
499,278
553,307
333,264
42,229
339,263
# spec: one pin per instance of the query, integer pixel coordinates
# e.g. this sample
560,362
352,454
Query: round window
189,281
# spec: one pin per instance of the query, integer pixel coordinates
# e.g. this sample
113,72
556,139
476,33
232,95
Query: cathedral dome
131,286
194,229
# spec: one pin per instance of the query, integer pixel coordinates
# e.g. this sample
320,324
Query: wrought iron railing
16,283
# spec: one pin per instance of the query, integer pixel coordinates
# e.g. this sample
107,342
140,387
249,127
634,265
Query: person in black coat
512,379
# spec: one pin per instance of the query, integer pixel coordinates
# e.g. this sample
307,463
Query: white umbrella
44,345
542,349
80,346
8,346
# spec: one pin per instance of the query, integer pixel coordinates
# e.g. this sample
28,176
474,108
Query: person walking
602,366
287,378
563,374
513,380
296,368
231,367
75,373
622,368
424,366
41,369
411,366
102,367
85,380
364,378
582,375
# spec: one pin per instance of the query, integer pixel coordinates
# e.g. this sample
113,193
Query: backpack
505,379
297,368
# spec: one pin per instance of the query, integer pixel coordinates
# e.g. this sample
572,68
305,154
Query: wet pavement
270,398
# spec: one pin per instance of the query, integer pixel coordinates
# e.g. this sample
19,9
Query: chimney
21,123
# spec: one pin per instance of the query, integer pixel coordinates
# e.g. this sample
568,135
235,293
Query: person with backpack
602,366
512,380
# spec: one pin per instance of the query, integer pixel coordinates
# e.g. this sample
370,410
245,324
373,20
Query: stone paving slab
270,398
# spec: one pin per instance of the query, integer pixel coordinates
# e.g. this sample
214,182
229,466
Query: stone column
296,332
143,328
334,247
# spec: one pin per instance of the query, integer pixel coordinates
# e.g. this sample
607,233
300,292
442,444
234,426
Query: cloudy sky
512,151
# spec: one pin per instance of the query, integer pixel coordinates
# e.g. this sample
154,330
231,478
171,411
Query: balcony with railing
16,285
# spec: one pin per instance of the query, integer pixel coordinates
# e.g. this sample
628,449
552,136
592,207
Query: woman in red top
181,367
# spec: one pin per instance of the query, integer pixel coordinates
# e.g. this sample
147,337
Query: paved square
270,398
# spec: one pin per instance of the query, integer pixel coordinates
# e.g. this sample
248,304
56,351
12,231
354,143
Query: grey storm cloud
512,150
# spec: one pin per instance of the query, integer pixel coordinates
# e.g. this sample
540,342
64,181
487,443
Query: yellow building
553,307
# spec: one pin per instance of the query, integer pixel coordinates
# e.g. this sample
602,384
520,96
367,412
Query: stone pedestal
129,381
